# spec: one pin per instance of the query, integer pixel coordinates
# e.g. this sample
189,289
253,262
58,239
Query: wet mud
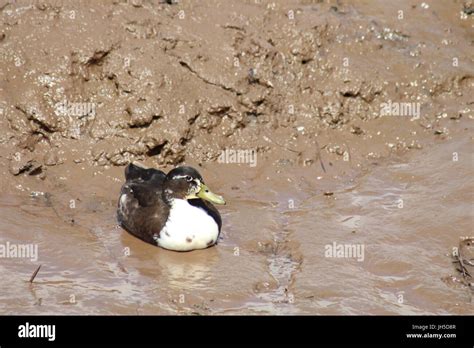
359,117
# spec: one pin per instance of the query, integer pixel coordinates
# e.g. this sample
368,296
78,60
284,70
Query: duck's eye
189,178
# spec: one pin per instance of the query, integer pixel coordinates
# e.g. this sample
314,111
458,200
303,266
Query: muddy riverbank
355,122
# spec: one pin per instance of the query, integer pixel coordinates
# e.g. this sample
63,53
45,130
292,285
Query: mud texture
181,82
87,87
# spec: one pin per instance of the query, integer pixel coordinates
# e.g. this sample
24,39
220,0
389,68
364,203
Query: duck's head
186,183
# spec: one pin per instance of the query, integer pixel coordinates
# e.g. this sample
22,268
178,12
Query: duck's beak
208,195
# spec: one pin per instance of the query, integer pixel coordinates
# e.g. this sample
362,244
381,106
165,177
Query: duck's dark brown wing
141,211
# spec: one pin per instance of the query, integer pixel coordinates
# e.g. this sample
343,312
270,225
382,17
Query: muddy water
408,212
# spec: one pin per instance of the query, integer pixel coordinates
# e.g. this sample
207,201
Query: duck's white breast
188,228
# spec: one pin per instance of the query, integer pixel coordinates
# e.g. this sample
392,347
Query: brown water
271,259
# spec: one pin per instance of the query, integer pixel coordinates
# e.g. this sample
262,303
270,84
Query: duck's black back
134,172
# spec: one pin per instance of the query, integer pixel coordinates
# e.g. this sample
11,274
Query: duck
173,211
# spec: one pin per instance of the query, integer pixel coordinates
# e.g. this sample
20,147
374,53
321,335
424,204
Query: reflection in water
178,270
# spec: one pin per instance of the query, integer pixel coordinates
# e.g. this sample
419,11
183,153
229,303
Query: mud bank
181,82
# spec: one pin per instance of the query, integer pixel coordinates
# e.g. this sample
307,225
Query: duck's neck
167,196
